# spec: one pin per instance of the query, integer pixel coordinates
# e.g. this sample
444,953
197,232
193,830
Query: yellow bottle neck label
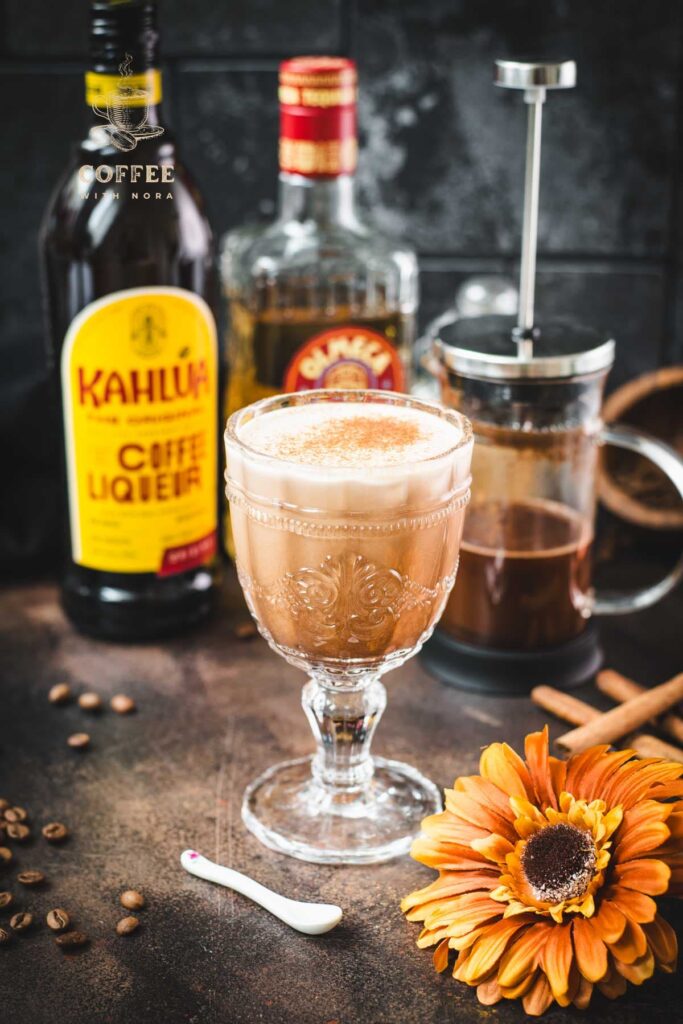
140,403
114,92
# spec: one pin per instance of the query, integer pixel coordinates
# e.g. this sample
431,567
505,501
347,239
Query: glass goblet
347,510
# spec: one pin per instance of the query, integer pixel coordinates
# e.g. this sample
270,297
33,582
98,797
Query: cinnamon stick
623,719
568,708
621,689
650,746
579,713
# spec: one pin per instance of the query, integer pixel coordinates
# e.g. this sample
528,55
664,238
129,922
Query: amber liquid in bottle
263,345
131,229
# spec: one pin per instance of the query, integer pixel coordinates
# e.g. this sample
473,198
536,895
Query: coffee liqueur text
160,471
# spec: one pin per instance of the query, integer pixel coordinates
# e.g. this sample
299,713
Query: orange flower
547,871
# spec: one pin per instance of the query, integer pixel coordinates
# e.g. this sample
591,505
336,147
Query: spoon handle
202,867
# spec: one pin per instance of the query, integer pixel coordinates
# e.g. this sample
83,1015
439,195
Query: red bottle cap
318,116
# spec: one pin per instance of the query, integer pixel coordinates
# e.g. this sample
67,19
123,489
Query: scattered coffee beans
58,920
244,630
90,701
127,925
79,740
5,855
13,814
122,705
55,832
132,900
71,939
5,936
20,922
30,877
59,693
5,899
19,831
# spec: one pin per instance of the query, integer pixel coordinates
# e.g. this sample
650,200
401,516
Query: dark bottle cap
123,27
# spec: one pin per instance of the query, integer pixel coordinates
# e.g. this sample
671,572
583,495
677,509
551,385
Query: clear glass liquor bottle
317,298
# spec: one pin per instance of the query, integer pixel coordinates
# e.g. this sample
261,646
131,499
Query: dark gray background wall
442,156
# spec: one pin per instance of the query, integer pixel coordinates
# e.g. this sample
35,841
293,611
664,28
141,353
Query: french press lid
507,348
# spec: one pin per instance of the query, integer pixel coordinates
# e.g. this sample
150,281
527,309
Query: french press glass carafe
522,607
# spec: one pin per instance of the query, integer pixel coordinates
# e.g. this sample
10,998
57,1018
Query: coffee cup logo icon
126,110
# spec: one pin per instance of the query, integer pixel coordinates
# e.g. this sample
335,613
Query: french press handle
609,602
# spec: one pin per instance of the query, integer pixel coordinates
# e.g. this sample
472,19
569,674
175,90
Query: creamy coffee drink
347,517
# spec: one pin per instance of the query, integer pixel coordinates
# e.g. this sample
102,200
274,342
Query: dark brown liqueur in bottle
128,264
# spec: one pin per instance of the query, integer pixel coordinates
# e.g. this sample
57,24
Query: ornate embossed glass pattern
347,536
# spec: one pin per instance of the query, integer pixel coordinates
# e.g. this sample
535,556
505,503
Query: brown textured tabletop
212,713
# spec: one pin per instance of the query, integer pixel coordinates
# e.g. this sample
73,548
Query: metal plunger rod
527,276
534,77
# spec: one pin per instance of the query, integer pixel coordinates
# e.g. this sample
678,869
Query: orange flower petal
538,763
642,779
557,960
441,956
444,856
583,994
503,766
662,941
539,997
648,876
638,971
484,792
609,922
613,986
631,946
579,767
495,848
470,810
636,905
451,883
488,950
489,993
521,957
590,950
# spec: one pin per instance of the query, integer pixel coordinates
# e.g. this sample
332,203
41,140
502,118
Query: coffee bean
5,936
59,693
5,899
58,920
55,832
127,925
132,900
122,705
4,804
5,855
90,701
16,814
79,740
19,831
30,877
71,939
20,922
244,630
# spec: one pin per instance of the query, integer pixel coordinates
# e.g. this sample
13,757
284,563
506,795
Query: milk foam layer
350,457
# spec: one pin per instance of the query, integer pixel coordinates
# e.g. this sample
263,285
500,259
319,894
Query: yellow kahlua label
140,391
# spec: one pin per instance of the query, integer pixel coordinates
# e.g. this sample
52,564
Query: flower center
559,862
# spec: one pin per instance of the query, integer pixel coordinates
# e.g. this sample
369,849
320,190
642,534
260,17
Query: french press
523,605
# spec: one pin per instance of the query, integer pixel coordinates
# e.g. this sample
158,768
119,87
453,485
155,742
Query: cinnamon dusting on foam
338,436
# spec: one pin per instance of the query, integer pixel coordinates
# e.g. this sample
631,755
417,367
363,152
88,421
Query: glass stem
343,721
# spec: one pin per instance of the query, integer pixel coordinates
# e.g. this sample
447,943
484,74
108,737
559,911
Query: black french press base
513,673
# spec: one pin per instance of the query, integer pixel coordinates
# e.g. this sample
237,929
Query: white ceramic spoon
309,918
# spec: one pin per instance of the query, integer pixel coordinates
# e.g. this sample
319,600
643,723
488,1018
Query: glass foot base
289,811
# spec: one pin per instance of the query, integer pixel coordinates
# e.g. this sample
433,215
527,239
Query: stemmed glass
346,569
